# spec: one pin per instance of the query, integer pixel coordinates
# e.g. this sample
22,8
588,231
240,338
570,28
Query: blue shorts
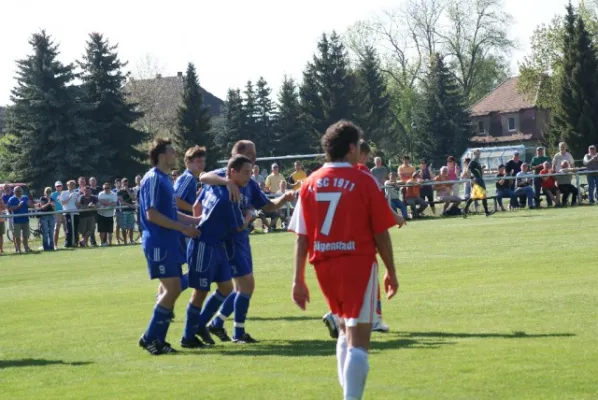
239,253
162,261
207,263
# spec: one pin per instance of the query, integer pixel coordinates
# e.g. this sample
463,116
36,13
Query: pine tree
374,115
250,112
109,116
265,140
312,115
48,139
442,122
193,118
292,137
234,122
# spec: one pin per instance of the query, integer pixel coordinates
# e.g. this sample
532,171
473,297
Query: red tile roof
504,99
516,137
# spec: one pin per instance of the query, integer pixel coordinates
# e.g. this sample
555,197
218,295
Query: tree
442,122
312,115
265,118
250,112
48,136
109,114
193,118
291,135
576,112
232,129
374,114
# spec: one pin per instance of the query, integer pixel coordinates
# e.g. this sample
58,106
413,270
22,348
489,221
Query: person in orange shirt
412,196
406,170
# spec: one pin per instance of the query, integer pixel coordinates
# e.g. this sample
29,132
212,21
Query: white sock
356,373
341,355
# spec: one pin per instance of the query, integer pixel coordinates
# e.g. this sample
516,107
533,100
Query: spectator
7,193
466,176
413,197
590,161
117,212
453,173
504,189
257,176
174,174
135,191
298,176
564,183
2,225
127,215
445,193
106,201
379,171
19,204
406,170
87,203
273,180
285,211
68,199
513,166
393,193
60,220
117,185
427,192
562,155
47,222
549,186
93,184
523,185
537,165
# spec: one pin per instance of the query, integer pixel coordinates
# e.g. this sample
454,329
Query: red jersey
548,182
340,209
363,167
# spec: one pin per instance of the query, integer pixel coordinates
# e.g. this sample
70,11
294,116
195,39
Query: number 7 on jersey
333,198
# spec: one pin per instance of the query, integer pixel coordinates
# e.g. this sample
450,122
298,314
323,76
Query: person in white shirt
257,176
68,199
524,185
107,200
562,155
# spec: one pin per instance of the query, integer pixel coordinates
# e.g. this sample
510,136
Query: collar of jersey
337,165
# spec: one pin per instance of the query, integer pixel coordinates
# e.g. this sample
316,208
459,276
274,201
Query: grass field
489,308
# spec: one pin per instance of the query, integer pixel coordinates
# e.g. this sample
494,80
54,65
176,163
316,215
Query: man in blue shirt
19,204
162,227
207,256
241,263
60,219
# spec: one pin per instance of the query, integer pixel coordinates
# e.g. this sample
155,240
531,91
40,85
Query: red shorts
350,286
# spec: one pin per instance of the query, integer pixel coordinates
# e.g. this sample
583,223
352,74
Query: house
505,116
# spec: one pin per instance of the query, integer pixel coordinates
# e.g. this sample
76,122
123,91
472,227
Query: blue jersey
220,217
185,188
156,192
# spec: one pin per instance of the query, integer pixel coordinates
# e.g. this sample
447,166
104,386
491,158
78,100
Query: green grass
489,308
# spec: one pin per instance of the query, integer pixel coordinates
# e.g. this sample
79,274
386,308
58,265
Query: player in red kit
341,219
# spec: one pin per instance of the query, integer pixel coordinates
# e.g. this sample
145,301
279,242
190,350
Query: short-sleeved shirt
523,179
559,158
220,218
56,197
406,172
258,178
513,167
24,209
6,197
43,201
111,197
273,182
296,178
363,167
413,191
502,186
380,173
340,210
71,205
157,192
476,170
549,182
537,160
127,198
87,201
185,188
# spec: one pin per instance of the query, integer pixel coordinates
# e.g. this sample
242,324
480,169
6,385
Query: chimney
158,76
179,74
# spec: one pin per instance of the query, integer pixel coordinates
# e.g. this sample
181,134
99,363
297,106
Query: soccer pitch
489,308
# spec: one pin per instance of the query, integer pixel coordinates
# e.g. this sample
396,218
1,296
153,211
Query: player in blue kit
185,190
207,255
162,227
241,263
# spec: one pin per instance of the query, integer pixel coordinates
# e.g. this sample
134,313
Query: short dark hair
241,147
364,147
422,161
501,166
467,160
195,152
338,137
236,162
81,177
450,159
406,158
158,147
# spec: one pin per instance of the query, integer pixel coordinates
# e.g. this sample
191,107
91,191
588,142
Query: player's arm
300,291
214,179
384,247
181,189
183,205
156,217
187,219
197,208
278,202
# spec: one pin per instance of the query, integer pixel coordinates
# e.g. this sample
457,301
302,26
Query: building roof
516,137
166,91
504,99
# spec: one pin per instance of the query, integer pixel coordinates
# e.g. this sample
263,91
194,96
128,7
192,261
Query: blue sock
210,308
192,322
184,282
225,311
241,307
158,325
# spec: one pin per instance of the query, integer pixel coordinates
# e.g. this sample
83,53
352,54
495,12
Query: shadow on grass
38,362
512,335
288,318
322,348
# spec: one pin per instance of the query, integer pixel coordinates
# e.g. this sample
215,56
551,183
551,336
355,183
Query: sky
230,42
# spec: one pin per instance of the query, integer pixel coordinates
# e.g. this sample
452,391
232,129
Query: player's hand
233,192
391,285
289,195
300,294
400,221
190,231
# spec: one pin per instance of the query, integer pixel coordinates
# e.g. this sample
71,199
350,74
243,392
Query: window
511,124
481,128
